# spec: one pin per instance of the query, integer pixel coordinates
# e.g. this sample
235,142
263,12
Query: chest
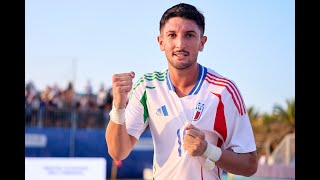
165,107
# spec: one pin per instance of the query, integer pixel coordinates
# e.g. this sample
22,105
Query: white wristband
209,164
117,115
212,152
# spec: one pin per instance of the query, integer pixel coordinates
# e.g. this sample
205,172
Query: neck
184,80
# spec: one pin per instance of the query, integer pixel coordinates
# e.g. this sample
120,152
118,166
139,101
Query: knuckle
198,144
116,84
114,77
120,88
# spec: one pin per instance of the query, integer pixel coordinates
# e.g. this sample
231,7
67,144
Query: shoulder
226,89
214,78
155,75
151,79
214,74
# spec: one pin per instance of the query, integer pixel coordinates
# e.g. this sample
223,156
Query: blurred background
72,48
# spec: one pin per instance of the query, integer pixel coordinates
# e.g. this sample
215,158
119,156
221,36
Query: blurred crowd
53,104
55,97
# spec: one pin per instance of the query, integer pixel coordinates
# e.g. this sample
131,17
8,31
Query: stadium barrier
68,142
65,118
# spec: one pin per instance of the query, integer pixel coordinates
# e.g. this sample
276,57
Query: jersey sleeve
136,121
240,137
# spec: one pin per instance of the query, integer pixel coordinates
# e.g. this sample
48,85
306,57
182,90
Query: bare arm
119,142
244,164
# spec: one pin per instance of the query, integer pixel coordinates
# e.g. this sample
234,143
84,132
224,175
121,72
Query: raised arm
119,142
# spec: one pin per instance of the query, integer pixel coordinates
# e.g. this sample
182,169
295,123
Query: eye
172,35
189,35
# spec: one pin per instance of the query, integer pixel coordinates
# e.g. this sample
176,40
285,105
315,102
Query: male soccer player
197,117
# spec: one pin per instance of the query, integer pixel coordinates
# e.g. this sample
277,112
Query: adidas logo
162,111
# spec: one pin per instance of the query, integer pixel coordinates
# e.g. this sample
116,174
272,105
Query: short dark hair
186,11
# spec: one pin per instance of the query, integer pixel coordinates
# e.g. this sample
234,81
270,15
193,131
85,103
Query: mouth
181,54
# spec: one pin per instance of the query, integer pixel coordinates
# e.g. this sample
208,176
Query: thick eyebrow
169,32
191,31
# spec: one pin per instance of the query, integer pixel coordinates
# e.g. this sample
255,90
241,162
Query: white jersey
214,105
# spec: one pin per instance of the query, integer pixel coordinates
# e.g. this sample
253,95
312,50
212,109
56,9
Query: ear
202,43
160,41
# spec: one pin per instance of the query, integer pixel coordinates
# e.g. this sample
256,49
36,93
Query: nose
180,42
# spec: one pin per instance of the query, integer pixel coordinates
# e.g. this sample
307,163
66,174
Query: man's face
181,40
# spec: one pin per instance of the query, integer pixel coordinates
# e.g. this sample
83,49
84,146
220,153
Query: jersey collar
196,88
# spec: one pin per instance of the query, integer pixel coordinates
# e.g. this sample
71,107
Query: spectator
101,97
88,88
109,99
68,96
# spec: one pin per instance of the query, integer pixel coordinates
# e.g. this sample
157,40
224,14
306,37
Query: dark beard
182,66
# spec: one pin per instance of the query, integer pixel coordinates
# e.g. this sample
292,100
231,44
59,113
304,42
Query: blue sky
251,42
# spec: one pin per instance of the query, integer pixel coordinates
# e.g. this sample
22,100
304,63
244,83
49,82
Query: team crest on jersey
198,111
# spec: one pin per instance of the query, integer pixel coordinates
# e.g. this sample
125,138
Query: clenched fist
194,141
121,86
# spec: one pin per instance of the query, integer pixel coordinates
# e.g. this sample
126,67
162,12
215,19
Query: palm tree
286,115
269,129
280,123
253,114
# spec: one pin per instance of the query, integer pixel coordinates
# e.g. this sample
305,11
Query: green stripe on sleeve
145,108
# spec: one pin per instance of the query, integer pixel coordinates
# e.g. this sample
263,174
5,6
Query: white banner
60,168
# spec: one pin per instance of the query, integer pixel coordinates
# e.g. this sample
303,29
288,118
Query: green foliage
285,115
270,128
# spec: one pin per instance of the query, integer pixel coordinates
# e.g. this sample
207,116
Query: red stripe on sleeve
220,121
233,87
